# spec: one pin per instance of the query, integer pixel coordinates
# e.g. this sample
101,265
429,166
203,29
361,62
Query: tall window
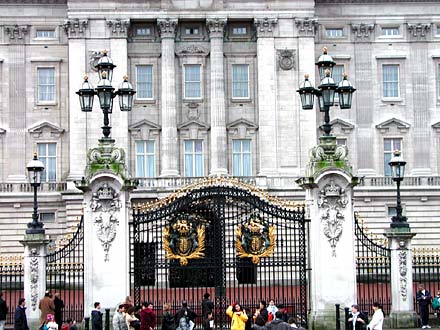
193,158
145,159
46,84
240,81
390,80
241,157
389,146
144,81
47,153
337,72
193,88
334,33
390,31
438,81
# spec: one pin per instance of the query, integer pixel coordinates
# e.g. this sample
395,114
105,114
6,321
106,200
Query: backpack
436,303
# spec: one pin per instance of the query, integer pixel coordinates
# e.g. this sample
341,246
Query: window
192,30
192,82
438,81
341,141
240,81
438,30
390,31
46,217
337,72
144,81
392,211
390,80
334,33
389,146
46,84
193,158
47,153
241,157
239,30
143,31
46,34
145,159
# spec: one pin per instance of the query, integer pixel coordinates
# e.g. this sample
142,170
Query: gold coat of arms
184,239
255,239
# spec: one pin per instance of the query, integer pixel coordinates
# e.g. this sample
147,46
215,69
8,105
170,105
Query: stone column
169,141
218,109
402,313
267,107
35,250
78,67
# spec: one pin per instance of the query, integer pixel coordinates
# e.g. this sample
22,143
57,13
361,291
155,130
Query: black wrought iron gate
225,238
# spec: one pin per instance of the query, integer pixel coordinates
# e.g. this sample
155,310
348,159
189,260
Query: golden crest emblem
184,239
255,239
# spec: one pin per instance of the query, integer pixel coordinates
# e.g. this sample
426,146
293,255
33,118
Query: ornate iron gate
65,272
11,282
373,269
223,237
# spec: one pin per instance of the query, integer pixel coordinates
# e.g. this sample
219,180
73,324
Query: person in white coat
377,320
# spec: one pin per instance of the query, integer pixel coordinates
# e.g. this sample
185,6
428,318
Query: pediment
345,126
393,122
436,126
241,122
144,123
2,131
193,123
46,128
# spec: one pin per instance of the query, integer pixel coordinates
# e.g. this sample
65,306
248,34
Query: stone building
216,94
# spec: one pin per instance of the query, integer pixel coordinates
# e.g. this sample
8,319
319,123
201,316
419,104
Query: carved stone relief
34,278
286,59
16,32
306,26
265,26
332,199
75,27
119,27
403,270
362,30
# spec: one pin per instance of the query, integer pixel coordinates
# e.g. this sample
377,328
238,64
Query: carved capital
216,27
75,28
306,26
265,26
167,27
118,27
418,30
362,31
16,32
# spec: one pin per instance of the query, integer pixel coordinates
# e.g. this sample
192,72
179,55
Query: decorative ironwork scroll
255,239
184,239
34,278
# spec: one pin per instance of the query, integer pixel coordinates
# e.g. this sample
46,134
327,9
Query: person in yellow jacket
238,317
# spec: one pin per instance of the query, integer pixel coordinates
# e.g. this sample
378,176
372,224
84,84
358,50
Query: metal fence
11,282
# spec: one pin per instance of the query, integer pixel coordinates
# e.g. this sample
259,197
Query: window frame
385,29
239,37
200,81
55,86
45,37
329,36
248,82
145,156
399,95
241,154
437,75
43,212
44,160
152,82
390,152
194,154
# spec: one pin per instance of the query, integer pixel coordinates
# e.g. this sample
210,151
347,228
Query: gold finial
327,73
344,75
35,154
104,74
324,50
104,52
397,152
125,77
306,76
86,78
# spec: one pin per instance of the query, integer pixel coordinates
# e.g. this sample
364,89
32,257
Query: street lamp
397,165
106,92
35,167
326,90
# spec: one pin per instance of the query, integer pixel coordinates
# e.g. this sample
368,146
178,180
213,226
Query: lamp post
326,91
106,92
397,165
35,167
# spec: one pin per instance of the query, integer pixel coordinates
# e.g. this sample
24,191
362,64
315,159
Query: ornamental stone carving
403,270
418,30
105,205
16,32
332,198
265,26
216,27
94,56
118,27
33,265
286,59
167,27
306,26
191,50
362,31
75,27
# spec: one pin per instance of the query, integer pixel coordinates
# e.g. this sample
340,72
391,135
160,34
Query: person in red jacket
147,316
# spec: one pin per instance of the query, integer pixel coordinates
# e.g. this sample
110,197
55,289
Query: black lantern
325,62
125,93
86,95
105,64
397,165
327,88
35,167
307,93
105,93
345,90
322,107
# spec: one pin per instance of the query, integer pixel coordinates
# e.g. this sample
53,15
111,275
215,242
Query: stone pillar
329,192
78,67
35,250
402,313
169,141
267,107
218,108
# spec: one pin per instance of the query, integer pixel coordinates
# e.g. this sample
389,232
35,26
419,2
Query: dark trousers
424,314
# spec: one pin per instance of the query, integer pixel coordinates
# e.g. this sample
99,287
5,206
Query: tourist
357,320
262,312
132,321
423,298
147,316
20,322
259,323
50,323
128,302
119,319
271,309
207,305
208,322
185,317
46,307
238,317
97,317
59,305
283,309
248,325
277,323
3,312
167,318
292,323
377,320
435,305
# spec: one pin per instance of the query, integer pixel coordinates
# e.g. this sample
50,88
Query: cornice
34,2
371,1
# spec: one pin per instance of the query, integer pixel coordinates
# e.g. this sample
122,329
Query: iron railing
11,282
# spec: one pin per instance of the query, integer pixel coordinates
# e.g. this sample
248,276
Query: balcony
24,187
